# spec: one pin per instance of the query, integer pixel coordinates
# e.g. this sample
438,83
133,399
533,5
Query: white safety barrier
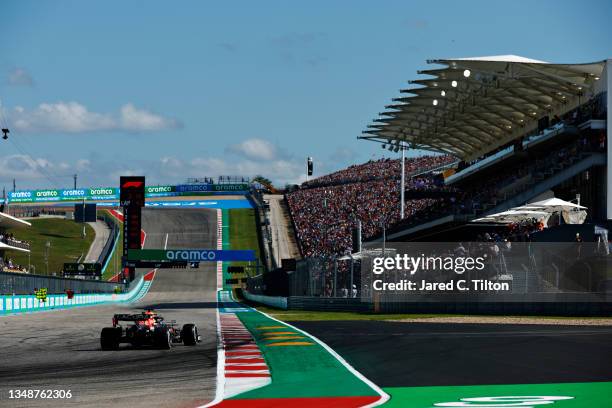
10,304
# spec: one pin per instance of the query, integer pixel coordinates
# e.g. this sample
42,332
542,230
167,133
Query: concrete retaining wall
11,304
273,301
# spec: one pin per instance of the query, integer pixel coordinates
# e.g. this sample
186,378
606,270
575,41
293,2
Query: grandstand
508,131
325,209
522,130
10,244
518,172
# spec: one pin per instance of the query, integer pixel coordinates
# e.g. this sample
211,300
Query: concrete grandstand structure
9,243
523,129
510,136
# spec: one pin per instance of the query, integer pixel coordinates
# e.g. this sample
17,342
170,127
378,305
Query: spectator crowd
326,209
324,216
7,265
382,169
9,239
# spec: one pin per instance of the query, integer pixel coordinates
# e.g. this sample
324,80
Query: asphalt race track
61,349
396,354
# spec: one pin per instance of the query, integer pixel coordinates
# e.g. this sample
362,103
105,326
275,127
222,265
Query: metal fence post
335,277
310,278
350,291
323,276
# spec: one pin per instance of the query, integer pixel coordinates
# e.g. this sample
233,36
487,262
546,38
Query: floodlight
435,102
467,73
454,84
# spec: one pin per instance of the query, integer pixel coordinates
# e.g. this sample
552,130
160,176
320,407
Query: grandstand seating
370,192
382,169
495,193
9,242
14,242
325,209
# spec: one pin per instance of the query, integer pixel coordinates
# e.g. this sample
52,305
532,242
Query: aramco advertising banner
208,187
190,255
112,193
32,196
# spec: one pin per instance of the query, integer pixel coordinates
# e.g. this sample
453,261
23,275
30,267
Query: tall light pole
309,167
47,249
403,204
399,145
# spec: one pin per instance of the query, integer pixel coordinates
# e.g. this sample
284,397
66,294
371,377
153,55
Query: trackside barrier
328,304
273,301
11,304
310,303
109,246
563,306
23,283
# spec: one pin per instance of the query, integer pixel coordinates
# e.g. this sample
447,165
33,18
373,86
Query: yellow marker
277,333
270,327
284,338
290,343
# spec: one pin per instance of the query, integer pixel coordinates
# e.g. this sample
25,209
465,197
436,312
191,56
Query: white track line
384,397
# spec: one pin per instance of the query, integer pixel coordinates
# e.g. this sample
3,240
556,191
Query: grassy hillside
114,264
243,232
67,245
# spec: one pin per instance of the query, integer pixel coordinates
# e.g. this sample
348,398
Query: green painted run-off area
584,395
299,371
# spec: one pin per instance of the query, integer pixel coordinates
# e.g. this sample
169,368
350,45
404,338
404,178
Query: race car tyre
109,338
163,338
190,334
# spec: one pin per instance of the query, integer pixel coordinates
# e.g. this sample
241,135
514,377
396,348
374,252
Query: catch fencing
570,278
22,283
113,236
326,277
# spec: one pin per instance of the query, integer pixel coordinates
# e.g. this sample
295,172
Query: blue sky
184,89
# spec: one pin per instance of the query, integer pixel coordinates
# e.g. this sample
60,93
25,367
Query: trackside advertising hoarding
112,193
32,196
190,255
207,187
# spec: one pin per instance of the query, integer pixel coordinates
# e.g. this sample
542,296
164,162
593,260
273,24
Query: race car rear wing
134,317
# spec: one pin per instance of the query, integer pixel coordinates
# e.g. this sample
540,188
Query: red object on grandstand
69,293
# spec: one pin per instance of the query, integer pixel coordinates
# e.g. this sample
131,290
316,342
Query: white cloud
114,176
171,162
142,120
255,149
343,154
23,168
97,171
279,171
83,165
73,117
20,77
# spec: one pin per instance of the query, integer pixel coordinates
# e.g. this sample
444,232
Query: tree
264,181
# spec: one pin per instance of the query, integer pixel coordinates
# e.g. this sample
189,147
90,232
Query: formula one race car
147,329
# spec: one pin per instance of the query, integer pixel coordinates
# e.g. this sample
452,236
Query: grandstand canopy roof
554,204
537,210
470,106
5,247
8,221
